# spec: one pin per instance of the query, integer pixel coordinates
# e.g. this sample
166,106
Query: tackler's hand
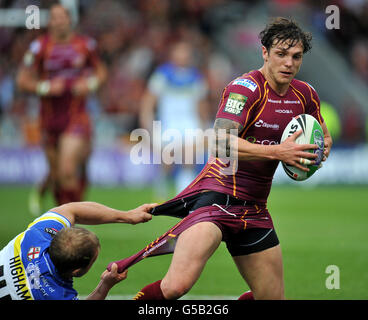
140,214
112,277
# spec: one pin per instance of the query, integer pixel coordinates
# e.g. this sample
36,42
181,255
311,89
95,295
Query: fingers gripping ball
312,133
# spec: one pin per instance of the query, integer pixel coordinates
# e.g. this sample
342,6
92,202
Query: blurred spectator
351,38
219,73
353,125
359,59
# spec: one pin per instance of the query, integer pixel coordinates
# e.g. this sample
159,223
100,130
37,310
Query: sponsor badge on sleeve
235,103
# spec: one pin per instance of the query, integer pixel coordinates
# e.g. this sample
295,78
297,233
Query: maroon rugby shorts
246,227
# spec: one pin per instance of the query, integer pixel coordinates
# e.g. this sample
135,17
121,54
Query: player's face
283,63
59,21
181,55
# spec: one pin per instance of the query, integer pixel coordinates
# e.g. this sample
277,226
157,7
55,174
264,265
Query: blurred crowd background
133,37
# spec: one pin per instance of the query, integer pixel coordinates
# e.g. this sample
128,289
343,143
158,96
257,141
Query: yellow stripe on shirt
51,217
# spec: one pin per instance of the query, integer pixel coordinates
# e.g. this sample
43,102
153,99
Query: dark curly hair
285,30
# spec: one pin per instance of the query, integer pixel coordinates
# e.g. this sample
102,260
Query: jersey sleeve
157,82
93,59
238,101
314,105
33,56
201,88
50,223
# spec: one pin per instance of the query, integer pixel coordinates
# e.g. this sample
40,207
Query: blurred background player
176,96
62,68
51,252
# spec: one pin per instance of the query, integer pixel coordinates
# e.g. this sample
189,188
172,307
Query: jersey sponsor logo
286,111
267,142
51,231
284,101
291,101
33,253
235,103
246,83
37,281
33,275
273,101
154,247
263,124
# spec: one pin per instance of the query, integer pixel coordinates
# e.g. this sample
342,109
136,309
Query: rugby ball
312,133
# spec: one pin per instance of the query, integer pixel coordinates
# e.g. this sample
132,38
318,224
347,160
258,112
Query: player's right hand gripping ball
312,134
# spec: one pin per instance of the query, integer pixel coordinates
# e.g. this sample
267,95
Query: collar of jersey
47,267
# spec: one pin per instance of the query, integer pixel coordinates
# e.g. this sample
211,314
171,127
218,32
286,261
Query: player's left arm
100,72
90,84
314,109
328,141
92,213
85,85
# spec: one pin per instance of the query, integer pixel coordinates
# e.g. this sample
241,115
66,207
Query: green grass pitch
317,227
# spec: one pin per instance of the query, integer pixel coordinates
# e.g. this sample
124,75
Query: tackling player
232,207
41,262
62,68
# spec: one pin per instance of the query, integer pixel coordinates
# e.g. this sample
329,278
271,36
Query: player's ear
264,53
76,272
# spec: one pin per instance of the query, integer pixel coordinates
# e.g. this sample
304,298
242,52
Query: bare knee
174,289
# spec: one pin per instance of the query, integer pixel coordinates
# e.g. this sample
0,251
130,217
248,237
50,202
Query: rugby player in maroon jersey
62,68
232,207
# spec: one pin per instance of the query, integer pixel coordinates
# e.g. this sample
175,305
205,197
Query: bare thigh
194,247
263,271
73,153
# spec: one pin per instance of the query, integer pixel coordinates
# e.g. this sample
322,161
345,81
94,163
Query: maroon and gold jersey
250,101
67,61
